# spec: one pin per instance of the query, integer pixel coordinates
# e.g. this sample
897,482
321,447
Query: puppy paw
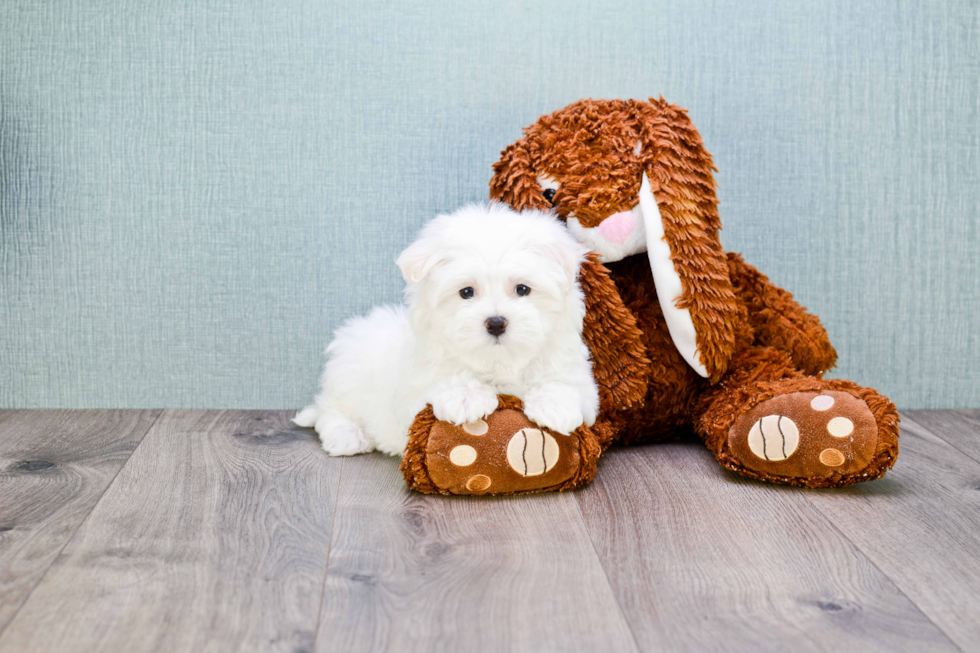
589,401
556,407
589,411
341,437
459,403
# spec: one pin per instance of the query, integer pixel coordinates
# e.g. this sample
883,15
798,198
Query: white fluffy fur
382,369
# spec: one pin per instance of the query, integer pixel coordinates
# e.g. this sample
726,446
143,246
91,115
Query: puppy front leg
561,407
461,399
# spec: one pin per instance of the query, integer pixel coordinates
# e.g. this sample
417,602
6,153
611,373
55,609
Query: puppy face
491,286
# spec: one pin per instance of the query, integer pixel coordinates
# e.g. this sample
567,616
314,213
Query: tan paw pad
774,437
478,483
479,427
532,452
462,456
832,458
822,402
840,427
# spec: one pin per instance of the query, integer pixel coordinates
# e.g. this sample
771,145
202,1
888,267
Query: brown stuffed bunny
683,336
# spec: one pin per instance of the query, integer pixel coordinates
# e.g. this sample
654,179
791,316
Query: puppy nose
617,227
496,325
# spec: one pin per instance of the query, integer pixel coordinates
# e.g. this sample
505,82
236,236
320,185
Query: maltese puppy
493,307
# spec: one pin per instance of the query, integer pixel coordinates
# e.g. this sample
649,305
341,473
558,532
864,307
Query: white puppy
493,307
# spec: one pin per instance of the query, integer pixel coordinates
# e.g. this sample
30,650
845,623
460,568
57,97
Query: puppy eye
467,293
549,194
522,290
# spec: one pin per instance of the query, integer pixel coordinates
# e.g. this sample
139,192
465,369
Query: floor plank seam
326,565
74,532
871,561
605,574
952,444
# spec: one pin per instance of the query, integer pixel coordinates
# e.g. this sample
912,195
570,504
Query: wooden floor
196,531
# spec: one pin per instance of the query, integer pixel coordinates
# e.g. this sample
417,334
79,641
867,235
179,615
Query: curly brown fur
413,461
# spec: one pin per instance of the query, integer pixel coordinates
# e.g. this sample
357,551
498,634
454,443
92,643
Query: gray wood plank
701,559
920,525
214,536
959,428
54,467
410,572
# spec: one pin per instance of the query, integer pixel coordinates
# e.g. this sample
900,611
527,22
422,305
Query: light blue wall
193,194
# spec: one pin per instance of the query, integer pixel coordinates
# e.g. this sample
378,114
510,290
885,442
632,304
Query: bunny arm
779,321
619,358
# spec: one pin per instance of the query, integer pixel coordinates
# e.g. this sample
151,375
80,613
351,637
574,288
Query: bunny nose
617,227
496,325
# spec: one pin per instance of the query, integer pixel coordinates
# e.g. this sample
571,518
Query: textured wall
192,195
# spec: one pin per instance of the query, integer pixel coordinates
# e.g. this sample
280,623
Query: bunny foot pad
504,453
807,435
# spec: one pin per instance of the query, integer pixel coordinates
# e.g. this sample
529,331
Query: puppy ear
419,258
569,254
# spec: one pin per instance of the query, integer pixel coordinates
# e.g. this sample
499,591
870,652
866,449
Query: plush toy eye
467,293
549,187
522,290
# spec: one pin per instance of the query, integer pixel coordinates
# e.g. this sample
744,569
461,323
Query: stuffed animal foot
819,438
503,453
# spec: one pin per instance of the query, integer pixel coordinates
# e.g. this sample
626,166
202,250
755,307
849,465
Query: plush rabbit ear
514,181
679,170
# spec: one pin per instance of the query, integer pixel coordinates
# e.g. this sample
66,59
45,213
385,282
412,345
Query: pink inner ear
618,227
